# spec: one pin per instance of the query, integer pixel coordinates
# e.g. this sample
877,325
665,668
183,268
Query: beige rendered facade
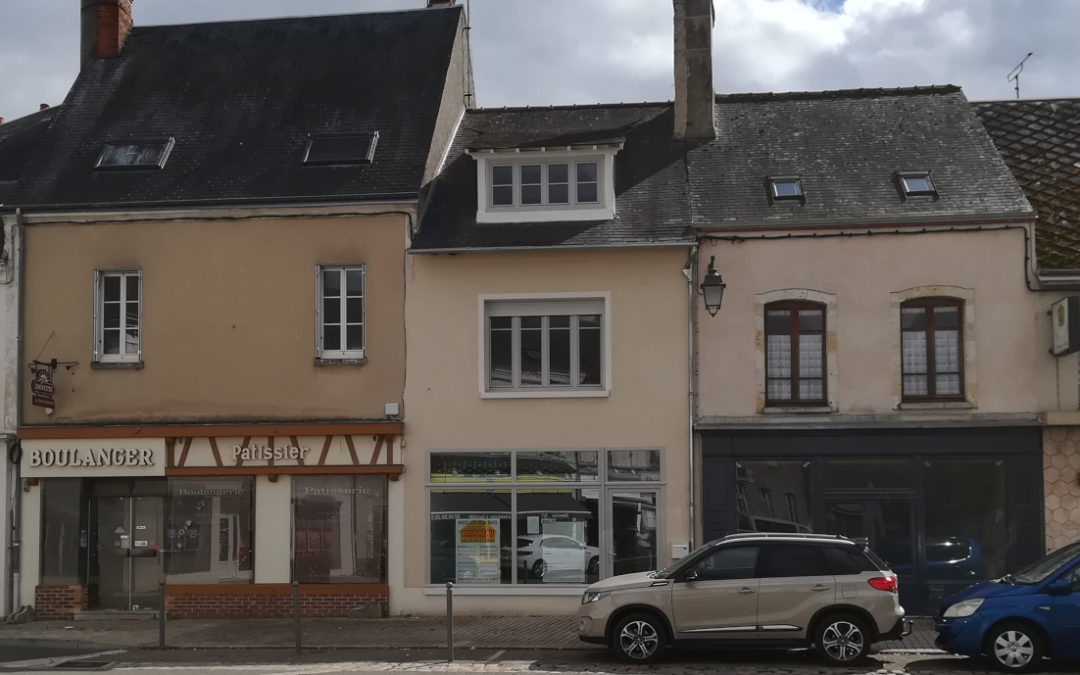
640,410
232,444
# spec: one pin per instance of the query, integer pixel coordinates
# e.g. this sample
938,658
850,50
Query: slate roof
240,99
1040,141
846,146
18,140
651,205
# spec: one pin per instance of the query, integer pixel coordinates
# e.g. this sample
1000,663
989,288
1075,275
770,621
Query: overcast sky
543,52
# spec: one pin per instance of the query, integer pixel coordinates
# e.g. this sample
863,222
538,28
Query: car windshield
1045,567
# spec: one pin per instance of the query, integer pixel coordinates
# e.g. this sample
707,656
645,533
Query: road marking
495,656
50,661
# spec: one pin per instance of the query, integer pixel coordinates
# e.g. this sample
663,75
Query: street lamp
713,288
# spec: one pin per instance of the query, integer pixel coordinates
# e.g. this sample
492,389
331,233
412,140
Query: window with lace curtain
795,353
932,351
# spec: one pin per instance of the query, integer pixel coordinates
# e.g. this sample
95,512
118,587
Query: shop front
946,507
217,525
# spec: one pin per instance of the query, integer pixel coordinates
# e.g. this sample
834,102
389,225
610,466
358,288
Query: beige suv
751,590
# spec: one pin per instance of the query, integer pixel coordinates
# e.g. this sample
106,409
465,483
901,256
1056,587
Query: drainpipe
691,272
16,515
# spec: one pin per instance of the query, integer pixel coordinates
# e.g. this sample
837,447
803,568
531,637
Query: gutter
20,378
550,247
228,202
834,224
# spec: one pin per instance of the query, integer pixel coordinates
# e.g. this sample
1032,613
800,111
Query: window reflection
757,487
339,529
208,527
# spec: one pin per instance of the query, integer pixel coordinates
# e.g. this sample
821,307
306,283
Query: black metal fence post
161,614
296,612
450,620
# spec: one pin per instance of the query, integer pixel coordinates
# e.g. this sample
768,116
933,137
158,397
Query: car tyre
1014,648
842,639
639,638
539,568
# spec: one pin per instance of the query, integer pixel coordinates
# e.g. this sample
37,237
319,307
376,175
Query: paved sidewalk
494,632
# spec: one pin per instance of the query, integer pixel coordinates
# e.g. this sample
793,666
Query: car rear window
844,560
792,560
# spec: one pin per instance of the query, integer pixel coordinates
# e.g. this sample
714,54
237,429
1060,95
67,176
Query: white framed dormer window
538,185
545,346
340,312
117,316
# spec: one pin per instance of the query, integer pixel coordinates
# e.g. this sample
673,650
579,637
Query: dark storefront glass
966,528
339,529
63,534
774,496
557,536
558,466
868,474
208,531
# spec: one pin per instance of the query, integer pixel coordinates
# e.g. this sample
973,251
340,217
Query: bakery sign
42,389
90,457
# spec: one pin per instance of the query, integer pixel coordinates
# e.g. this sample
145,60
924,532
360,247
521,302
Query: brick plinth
271,600
59,602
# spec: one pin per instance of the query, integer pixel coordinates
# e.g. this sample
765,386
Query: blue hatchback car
1019,619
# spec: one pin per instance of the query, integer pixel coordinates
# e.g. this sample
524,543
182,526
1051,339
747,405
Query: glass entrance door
128,543
632,522
888,525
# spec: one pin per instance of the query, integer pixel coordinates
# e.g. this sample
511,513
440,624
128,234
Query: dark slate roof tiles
240,99
19,138
1040,141
846,146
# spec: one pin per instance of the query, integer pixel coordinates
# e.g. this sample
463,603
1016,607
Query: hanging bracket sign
42,390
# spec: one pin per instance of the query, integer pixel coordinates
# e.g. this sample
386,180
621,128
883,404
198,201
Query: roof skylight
341,149
785,187
917,183
135,154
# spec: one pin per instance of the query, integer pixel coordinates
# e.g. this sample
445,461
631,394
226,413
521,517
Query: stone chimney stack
440,3
105,26
694,96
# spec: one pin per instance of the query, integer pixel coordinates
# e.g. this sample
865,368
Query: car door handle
820,587
745,590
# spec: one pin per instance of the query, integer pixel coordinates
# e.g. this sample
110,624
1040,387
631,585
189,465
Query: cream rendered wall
228,316
273,527
647,408
30,550
1011,332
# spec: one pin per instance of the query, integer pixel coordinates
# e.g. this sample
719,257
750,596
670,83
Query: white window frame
320,325
540,304
602,209
99,355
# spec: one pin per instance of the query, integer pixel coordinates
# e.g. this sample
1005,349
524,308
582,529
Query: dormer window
149,154
542,185
552,183
785,187
341,149
917,183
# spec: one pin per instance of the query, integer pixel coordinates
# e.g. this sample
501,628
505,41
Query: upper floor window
552,183
931,343
118,316
794,353
546,346
340,312
540,184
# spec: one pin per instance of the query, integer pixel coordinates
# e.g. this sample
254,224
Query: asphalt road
684,662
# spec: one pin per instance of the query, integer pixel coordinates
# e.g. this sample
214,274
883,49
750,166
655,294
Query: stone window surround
897,298
831,371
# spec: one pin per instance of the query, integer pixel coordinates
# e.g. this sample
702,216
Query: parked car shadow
967,664
704,659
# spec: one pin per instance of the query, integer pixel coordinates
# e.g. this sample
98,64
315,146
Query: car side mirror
690,575
1060,587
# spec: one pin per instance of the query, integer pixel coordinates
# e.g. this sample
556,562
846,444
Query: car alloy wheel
639,638
1014,648
539,568
842,640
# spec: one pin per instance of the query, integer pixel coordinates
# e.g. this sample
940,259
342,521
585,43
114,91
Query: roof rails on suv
786,535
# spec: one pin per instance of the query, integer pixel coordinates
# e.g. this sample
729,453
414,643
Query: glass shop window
208,531
757,483
63,532
339,529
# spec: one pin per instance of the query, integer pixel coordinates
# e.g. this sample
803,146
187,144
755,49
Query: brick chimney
105,26
694,96
440,3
